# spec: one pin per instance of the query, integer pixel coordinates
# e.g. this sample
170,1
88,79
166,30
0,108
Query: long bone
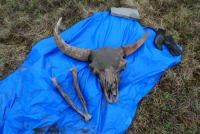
86,115
80,95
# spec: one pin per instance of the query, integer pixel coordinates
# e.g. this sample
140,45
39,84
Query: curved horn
127,50
76,53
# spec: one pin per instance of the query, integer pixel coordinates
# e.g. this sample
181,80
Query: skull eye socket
94,70
123,64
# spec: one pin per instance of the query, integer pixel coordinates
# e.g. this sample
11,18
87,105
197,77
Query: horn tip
59,21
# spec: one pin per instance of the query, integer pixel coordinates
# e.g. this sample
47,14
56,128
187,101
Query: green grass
173,106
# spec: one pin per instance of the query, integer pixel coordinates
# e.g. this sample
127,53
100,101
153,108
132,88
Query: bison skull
105,62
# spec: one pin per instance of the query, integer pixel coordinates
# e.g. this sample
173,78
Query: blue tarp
29,100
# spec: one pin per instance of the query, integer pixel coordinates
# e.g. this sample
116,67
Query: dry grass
174,104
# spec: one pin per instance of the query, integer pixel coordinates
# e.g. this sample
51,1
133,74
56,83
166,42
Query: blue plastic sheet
29,100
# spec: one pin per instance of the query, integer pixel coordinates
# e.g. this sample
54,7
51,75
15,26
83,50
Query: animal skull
106,62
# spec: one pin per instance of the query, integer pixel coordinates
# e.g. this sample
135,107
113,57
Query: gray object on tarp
130,13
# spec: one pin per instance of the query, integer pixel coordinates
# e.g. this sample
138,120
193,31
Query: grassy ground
174,104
